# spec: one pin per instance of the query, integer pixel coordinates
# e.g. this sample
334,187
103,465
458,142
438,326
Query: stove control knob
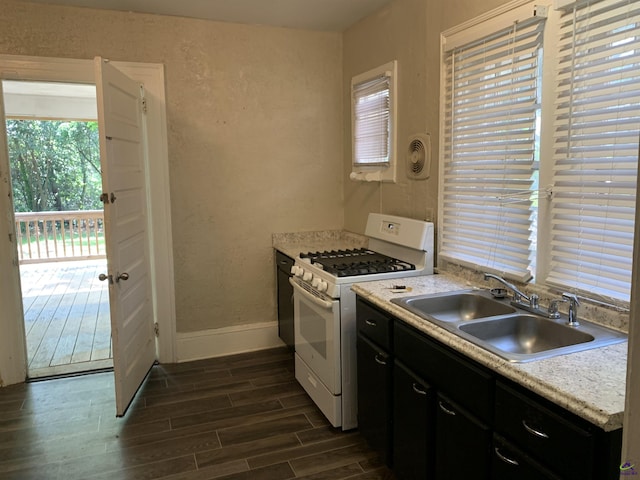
299,271
307,276
294,269
315,282
322,286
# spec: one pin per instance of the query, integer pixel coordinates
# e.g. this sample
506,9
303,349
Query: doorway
66,70
54,159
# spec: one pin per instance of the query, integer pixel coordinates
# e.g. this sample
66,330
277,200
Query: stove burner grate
360,261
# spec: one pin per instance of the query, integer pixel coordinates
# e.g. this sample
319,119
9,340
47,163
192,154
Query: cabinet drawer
374,324
510,463
554,438
469,384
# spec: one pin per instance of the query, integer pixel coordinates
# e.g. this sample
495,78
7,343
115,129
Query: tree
55,165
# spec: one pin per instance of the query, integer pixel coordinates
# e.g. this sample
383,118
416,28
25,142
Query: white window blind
372,121
596,128
491,105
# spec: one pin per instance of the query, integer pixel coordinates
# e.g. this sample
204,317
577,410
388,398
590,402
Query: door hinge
144,104
156,329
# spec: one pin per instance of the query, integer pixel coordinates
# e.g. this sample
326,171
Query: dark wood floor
238,417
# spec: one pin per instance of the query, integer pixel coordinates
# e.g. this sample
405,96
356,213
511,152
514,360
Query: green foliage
55,165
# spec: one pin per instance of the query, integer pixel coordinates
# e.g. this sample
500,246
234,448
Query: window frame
380,171
525,12
605,292
478,28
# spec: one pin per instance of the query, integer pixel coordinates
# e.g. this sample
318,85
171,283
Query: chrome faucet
574,303
517,294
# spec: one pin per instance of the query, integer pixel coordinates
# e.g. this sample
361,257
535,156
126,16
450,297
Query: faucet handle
552,310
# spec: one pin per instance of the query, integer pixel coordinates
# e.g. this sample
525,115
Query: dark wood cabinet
463,443
413,425
451,418
285,298
460,378
462,405
375,367
566,444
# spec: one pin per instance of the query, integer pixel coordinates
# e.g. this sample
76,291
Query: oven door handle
318,301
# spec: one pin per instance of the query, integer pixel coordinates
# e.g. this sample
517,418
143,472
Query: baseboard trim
219,342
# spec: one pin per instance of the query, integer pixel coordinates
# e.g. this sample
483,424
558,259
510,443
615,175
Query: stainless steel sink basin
499,327
455,306
525,334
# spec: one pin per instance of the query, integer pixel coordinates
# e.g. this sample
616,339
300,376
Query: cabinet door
285,309
413,425
285,299
375,367
556,438
463,444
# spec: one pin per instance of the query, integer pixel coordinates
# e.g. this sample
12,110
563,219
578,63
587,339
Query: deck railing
60,236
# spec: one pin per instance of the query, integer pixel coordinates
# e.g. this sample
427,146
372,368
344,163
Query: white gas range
324,306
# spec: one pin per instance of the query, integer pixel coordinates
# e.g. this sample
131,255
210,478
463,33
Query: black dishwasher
285,298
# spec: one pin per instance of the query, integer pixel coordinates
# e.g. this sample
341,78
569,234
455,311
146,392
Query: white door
126,229
12,340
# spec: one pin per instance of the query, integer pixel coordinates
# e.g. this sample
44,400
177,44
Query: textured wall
254,133
409,32
404,32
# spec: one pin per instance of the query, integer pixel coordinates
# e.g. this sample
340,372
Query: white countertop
590,384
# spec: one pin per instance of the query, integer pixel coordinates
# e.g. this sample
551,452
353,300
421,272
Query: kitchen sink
501,328
455,306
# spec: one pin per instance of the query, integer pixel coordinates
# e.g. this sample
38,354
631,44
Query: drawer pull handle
445,409
380,360
506,459
371,323
418,389
533,431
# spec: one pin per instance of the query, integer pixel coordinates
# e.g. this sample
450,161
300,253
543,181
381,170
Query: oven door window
317,334
313,330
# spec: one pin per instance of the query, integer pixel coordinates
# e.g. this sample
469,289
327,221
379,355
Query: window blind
491,105
596,128
372,121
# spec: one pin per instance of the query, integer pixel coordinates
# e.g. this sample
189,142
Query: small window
373,116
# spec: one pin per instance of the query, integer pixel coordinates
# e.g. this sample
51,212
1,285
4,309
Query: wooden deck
66,316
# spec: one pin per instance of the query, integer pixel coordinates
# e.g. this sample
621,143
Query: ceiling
328,15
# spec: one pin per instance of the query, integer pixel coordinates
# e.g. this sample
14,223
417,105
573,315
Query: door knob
102,277
122,276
